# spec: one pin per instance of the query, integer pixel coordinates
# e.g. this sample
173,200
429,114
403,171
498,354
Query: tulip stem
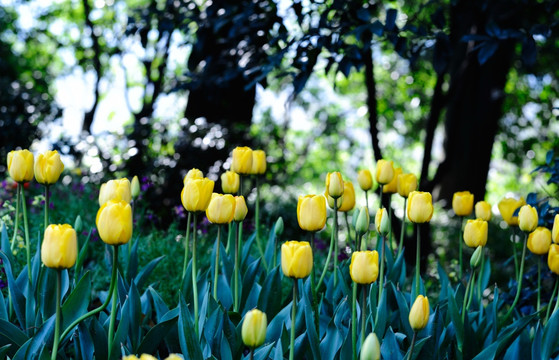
354,320
110,337
513,239
412,345
313,291
26,227
335,242
349,238
236,274
363,312
417,260
367,199
194,277
58,313
519,282
539,282
112,286
401,244
229,238
47,200
257,220
471,294
390,225
460,250
480,278
216,264
293,316
251,353
18,200
551,299
381,277
326,262
186,246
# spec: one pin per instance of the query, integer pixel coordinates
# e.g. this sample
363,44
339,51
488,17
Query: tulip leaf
309,322
146,271
121,331
445,282
36,266
158,304
249,277
132,269
5,246
77,302
537,342
135,315
382,313
81,256
278,352
87,348
247,245
43,338
276,325
18,300
417,348
456,319
271,245
390,349
270,299
550,340
3,308
396,270
188,340
224,293
99,336
331,342
11,335
4,351
225,349
156,335
263,352
404,311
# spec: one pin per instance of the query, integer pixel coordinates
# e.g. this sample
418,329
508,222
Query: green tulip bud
135,187
363,220
371,348
78,224
279,226
475,260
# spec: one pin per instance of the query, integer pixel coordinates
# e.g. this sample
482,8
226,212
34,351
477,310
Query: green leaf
270,299
456,318
550,340
390,349
156,335
133,263
417,348
134,316
99,336
188,341
3,308
81,256
77,302
382,313
537,342
18,300
87,348
11,335
43,338
4,351
146,271
404,311
5,246
121,331
309,322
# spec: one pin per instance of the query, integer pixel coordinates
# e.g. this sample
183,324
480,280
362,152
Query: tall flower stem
236,273
519,282
58,313
467,295
381,275
26,227
229,238
402,233
354,320
293,316
480,278
551,299
257,218
367,199
194,275
313,292
186,246
390,225
460,250
18,200
513,240
349,238
216,265
412,345
112,286
539,282
47,200
110,337
417,260
251,353
363,312
335,242
330,249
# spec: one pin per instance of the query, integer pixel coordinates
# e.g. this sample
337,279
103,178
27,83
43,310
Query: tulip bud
196,194
420,207
78,224
371,348
258,162
527,218
114,222
330,200
147,357
363,221
539,240
406,183
20,165
334,184
475,233
117,190
384,172
48,167
363,268
254,328
475,260
296,259
278,229
365,180
130,357
462,203
392,186
242,160
230,182
348,197
241,209
382,222
221,209
311,212
135,187
174,357
60,247
419,313
555,230
193,174
553,258
483,210
507,207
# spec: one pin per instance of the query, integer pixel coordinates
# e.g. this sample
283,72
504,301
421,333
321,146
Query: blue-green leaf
188,339
389,349
77,302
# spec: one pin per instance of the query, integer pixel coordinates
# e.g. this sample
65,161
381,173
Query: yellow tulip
117,190
539,240
382,222
130,357
507,207
196,194
242,160
258,162
555,230
483,210
174,357
330,200
221,209
348,197
463,203
48,167
384,172
311,212
527,218
193,174
60,247
420,207
553,258
296,259
147,357
363,268
334,184
254,327
20,165
241,209
135,187
371,348
475,233
230,182
365,180
406,183
419,313
392,186
114,222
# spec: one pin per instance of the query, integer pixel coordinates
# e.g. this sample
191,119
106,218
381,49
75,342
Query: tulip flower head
174,357
242,160
241,209
60,247
258,162
348,197
420,207
114,222
475,233
527,218
483,210
392,186
221,209
20,165
311,212
553,258
135,187
193,174
384,172
117,190
419,313
254,327
382,222
48,167
371,348
363,220
539,240
296,259
230,182
555,229
364,267
507,208
365,180
406,183
463,203
334,184
196,194
475,260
